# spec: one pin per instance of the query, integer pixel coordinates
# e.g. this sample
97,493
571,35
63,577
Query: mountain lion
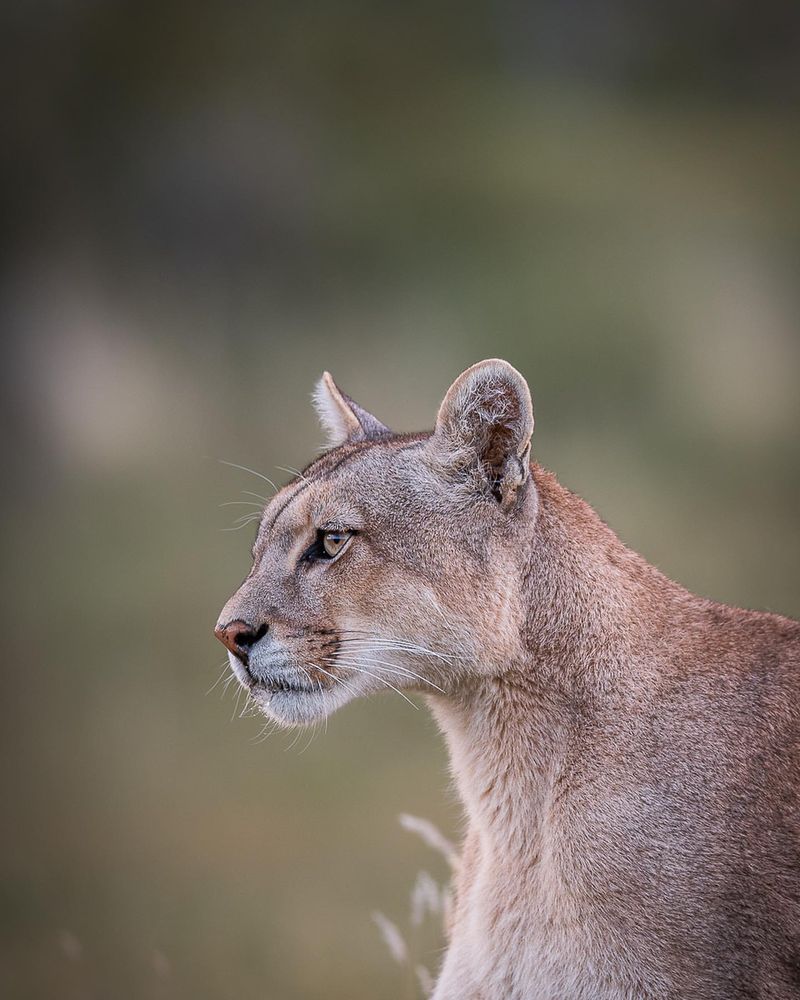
627,753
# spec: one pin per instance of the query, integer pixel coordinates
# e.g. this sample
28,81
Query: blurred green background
205,206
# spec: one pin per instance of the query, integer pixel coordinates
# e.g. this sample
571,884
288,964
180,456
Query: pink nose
238,636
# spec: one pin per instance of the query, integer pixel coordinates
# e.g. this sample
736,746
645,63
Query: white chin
290,708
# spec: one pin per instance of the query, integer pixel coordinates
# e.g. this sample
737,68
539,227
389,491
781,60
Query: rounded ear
484,427
341,417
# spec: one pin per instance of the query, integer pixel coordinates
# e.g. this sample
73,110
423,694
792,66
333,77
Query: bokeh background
206,205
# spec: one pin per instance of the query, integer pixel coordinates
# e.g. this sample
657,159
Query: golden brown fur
627,753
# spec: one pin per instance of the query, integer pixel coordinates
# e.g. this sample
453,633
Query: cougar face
385,563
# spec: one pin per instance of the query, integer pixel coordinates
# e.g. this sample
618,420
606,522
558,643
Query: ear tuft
484,427
341,417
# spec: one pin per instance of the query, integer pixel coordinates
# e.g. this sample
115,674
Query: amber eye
334,541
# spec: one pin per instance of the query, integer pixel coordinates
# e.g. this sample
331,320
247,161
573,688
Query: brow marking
326,471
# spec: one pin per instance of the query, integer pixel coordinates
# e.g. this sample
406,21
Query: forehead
345,482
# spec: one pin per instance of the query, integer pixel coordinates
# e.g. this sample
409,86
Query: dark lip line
281,687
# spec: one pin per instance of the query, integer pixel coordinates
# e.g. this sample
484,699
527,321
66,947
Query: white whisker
400,647
245,520
327,673
294,741
358,635
291,471
225,668
236,703
377,677
389,667
267,730
247,704
252,472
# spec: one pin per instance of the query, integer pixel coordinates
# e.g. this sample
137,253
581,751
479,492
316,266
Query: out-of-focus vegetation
206,205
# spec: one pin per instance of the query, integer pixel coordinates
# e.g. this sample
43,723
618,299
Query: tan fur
627,753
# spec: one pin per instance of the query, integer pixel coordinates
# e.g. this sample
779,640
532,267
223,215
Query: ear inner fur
341,417
484,427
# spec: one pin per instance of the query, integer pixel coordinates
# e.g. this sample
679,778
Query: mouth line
279,686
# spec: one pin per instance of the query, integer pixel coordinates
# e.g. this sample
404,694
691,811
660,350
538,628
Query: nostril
248,638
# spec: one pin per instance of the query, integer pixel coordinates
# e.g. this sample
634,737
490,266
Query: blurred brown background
206,205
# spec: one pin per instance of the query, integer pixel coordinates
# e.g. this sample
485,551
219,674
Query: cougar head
392,561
